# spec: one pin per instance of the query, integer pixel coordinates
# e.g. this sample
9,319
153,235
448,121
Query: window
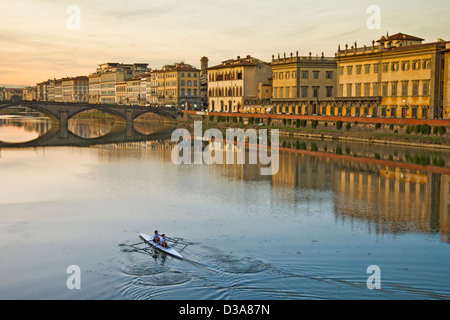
304,92
349,90
414,112
304,74
385,67
316,92
385,89
394,85
349,70
182,92
367,68
415,88
426,64
426,88
329,92
358,69
393,111
416,65
394,66
287,75
358,90
405,66
376,68
367,89
280,75
316,74
287,93
294,75
341,90
405,88
329,75
341,71
376,86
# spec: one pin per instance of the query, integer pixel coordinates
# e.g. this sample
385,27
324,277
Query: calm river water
309,232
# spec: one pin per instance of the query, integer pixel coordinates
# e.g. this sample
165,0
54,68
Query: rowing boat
149,240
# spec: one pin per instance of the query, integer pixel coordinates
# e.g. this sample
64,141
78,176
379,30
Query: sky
42,39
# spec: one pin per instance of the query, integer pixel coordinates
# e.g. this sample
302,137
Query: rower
164,242
156,237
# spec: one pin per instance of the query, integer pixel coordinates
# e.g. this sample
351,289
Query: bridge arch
53,117
119,117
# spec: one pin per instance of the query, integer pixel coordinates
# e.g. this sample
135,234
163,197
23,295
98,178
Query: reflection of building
297,79
389,199
400,69
234,82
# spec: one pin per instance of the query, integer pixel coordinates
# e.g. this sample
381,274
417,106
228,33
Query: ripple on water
169,278
144,269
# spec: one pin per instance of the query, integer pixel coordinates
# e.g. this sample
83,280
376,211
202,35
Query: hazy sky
36,44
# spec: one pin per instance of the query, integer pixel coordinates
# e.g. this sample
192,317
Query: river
312,231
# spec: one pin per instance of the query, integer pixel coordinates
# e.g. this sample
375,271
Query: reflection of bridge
56,137
61,113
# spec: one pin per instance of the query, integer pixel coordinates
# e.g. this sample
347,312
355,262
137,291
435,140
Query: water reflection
90,129
14,129
389,196
391,189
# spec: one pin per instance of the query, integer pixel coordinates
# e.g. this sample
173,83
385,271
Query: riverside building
397,76
179,85
301,82
235,82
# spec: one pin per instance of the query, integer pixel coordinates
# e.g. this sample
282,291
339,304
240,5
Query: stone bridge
61,113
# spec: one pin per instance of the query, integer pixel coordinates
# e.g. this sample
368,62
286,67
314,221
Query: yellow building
446,87
179,85
400,70
236,81
297,80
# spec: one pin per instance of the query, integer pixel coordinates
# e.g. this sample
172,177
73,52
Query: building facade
29,93
398,77
102,83
75,89
236,81
446,83
299,83
179,85
152,88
